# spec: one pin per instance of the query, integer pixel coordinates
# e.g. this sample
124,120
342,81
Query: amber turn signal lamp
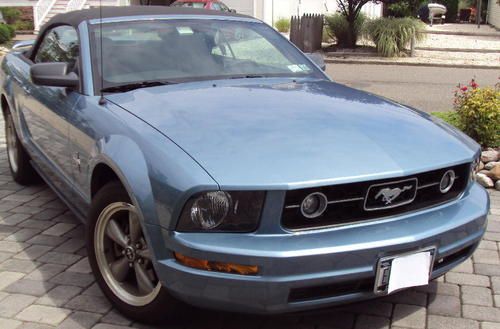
216,266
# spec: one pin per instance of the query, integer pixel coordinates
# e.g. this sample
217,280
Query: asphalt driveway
427,88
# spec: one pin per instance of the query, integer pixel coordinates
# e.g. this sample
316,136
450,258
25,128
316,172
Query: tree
351,9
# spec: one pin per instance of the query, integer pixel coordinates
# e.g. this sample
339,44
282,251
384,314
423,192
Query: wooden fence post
306,32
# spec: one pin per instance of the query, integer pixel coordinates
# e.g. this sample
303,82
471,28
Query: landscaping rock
489,155
491,164
494,173
484,180
481,166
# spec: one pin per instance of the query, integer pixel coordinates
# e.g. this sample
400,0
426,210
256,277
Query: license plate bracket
385,264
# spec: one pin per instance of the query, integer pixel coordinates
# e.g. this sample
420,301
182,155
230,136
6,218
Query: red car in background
203,4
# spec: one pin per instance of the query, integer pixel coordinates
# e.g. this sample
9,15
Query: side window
216,6
223,7
59,45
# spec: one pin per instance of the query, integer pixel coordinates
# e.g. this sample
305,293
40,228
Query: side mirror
53,75
317,58
232,11
23,44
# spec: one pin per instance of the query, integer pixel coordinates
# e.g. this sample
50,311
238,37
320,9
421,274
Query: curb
471,34
382,62
460,50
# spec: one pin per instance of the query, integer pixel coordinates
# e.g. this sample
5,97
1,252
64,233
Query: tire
19,160
159,306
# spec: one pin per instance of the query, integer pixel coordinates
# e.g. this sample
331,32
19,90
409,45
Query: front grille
347,204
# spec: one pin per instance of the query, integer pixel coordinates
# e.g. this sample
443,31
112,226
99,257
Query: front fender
158,175
131,168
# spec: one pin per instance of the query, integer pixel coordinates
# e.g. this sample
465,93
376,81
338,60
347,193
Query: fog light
447,181
314,205
216,266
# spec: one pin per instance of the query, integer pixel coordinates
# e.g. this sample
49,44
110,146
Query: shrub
450,117
338,29
399,9
11,15
282,25
6,32
24,26
12,30
406,8
478,110
392,35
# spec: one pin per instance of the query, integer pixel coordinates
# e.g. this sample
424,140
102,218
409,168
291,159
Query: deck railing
40,11
75,5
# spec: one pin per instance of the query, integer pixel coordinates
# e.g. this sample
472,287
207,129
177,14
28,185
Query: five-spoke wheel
123,261
123,255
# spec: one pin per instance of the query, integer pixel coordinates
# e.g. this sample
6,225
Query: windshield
192,49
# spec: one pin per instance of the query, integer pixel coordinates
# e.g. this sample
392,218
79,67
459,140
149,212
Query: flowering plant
478,111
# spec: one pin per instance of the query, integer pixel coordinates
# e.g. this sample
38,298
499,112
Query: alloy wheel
123,256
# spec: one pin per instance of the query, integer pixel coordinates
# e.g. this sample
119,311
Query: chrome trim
323,205
452,181
427,185
329,202
346,200
394,205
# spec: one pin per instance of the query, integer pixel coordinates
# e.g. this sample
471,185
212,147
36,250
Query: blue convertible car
215,164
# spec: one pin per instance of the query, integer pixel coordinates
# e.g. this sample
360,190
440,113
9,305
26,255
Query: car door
46,108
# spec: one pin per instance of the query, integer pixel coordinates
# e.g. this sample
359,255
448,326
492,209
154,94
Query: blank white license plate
409,270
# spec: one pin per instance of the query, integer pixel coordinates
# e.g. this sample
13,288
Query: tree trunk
352,34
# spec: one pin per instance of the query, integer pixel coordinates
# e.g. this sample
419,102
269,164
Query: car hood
282,134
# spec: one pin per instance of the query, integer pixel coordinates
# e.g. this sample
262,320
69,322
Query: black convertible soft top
74,18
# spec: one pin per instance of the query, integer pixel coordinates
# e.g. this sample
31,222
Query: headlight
209,209
220,211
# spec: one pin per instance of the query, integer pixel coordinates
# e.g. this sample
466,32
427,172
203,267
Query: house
43,10
266,10
493,15
271,10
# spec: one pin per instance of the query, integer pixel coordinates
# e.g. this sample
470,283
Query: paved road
46,282
426,88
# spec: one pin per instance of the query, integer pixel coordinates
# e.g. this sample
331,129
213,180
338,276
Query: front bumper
310,269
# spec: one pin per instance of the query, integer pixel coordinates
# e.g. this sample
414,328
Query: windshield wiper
247,76
136,85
